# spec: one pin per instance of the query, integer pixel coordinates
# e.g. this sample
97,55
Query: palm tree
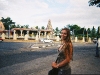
7,22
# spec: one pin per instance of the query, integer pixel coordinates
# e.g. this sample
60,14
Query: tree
74,28
57,31
93,32
42,27
94,3
13,26
18,26
89,32
98,32
36,27
22,26
26,26
7,22
81,31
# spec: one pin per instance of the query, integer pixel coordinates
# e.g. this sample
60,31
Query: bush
80,37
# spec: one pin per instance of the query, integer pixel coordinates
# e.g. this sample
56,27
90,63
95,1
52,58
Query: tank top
61,57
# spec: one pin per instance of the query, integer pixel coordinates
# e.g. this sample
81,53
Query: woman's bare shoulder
70,44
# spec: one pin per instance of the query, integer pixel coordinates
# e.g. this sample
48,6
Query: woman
65,54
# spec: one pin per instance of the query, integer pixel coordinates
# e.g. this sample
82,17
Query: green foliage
26,26
74,28
36,27
89,31
93,32
94,3
22,26
42,27
57,31
8,22
80,37
18,26
98,32
80,32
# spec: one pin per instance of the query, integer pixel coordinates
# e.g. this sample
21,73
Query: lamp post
9,31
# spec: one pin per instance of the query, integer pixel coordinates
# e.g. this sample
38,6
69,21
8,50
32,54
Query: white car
45,40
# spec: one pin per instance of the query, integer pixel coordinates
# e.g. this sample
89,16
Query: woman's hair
68,35
68,44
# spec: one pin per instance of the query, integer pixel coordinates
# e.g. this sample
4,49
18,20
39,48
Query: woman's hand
54,65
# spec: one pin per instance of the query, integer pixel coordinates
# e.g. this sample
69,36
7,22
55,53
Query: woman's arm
67,59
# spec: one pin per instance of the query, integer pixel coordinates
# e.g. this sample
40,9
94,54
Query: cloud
62,1
61,12
23,10
3,4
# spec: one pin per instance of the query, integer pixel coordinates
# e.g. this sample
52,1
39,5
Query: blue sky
60,12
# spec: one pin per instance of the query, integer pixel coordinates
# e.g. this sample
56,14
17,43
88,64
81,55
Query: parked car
1,39
45,40
95,40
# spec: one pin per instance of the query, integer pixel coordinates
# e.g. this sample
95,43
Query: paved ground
22,59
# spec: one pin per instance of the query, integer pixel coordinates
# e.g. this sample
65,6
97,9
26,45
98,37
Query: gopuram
2,30
27,33
1,26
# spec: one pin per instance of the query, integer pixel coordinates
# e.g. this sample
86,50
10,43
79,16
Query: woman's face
63,34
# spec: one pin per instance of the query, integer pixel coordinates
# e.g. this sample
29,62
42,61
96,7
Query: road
22,59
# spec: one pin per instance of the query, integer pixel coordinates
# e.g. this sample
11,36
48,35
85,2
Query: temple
27,33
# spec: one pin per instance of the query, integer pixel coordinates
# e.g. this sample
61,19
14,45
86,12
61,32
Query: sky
60,12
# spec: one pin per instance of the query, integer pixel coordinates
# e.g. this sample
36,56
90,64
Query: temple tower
49,25
2,26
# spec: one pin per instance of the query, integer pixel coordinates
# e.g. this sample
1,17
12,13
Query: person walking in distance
65,54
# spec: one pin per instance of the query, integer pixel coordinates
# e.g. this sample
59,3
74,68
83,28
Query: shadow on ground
8,60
